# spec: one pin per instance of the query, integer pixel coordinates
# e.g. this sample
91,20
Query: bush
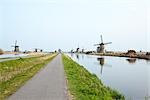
1,51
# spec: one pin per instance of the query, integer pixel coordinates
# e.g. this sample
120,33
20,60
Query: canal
131,77
12,55
6,57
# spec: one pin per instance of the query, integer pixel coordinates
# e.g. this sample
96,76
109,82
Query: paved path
48,84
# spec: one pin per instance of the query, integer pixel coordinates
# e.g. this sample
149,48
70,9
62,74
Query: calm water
131,77
12,55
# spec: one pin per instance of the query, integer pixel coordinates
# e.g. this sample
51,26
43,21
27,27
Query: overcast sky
67,24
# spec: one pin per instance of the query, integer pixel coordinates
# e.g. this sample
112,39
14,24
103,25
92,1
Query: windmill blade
107,43
15,42
101,39
96,44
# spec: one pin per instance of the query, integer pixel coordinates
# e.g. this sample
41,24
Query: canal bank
120,54
86,86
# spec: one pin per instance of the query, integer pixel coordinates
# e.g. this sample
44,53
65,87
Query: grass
14,73
86,86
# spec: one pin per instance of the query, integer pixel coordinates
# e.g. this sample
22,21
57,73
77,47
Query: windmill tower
16,47
83,50
101,46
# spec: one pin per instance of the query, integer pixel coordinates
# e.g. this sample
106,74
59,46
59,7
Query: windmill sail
101,39
96,44
107,43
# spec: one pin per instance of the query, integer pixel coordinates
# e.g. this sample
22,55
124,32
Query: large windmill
16,47
101,46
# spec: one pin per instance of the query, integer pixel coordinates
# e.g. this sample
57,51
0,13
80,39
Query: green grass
14,73
86,86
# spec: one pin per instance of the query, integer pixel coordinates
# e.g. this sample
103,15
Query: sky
68,24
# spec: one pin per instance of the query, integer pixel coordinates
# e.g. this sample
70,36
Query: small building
148,53
131,52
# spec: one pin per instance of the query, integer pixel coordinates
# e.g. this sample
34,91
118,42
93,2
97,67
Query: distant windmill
83,50
37,49
16,47
100,48
77,50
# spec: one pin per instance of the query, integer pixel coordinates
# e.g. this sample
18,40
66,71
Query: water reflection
82,56
102,63
71,54
77,56
12,55
101,60
148,62
131,60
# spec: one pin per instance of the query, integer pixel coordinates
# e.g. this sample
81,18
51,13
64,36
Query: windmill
100,48
38,49
83,50
16,47
77,49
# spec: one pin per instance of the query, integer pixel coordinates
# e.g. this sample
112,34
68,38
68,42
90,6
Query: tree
1,51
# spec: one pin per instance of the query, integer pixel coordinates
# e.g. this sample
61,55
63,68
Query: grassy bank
86,86
14,73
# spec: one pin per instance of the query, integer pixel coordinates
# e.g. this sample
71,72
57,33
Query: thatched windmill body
101,46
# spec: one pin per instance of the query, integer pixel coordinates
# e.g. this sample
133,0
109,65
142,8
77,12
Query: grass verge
14,73
86,86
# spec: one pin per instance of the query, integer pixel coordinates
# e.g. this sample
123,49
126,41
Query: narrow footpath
48,84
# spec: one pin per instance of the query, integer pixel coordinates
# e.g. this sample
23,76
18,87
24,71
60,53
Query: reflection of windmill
16,47
100,48
77,56
102,63
132,60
